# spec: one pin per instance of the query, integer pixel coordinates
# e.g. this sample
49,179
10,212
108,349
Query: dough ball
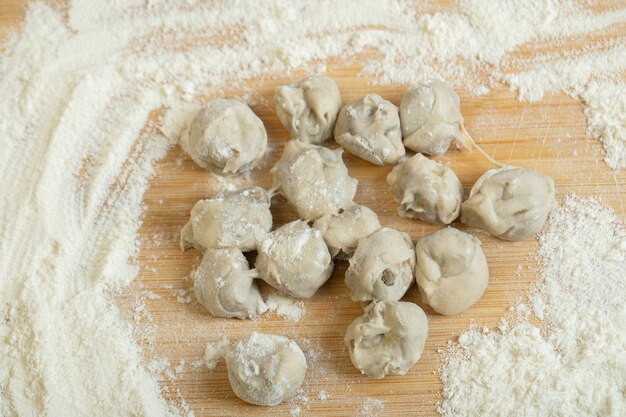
426,190
239,219
265,369
431,117
342,231
370,129
308,108
225,285
314,179
381,267
226,137
451,270
387,339
510,203
294,259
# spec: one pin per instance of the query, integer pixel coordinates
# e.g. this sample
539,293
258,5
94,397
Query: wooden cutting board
548,136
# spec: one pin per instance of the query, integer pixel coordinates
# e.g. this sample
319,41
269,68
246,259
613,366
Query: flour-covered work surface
99,312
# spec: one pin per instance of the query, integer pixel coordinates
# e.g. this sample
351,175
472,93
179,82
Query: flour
285,306
215,352
529,370
78,87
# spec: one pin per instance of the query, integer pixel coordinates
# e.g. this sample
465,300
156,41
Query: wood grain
548,136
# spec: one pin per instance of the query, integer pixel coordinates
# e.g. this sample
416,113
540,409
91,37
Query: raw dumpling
510,203
451,270
314,179
431,117
342,231
370,129
294,259
226,137
426,190
225,285
387,339
239,219
381,267
265,369
308,108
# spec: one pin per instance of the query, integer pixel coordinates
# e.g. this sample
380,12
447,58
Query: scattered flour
371,407
285,306
215,352
528,370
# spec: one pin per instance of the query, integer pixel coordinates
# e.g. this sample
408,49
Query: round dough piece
294,259
387,339
381,267
451,270
370,129
314,179
265,369
342,231
430,115
426,190
238,219
510,203
225,286
226,137
308,108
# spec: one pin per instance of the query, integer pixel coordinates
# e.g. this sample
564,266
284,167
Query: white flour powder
575,363
77,87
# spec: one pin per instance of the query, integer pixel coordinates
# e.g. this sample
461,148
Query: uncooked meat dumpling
226,137
342,231
426,190
431,117
238,219
510,203
314,179
451,270
265,369
387,339
370,129
381,267
294,259
308,108
225,285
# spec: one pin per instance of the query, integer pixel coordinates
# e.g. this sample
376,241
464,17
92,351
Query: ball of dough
370,129
387,339
314,179
426,190
381,267
226,137
431,117
308,108
225,286
342,231
510,203
451,270
238,219
265,369
294,259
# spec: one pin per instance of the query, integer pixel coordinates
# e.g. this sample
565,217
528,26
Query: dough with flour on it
510,203
225,286
225,137
308,108
451,270
370,129
387,339
265,369
314,179
342,231
381,267
426,190
294,259
431,117
237,219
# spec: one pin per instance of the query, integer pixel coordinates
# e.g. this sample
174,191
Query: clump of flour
215,352
285,306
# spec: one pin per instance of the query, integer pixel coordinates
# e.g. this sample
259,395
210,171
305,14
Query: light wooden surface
548,136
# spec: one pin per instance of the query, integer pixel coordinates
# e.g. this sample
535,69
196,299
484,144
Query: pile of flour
81,85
